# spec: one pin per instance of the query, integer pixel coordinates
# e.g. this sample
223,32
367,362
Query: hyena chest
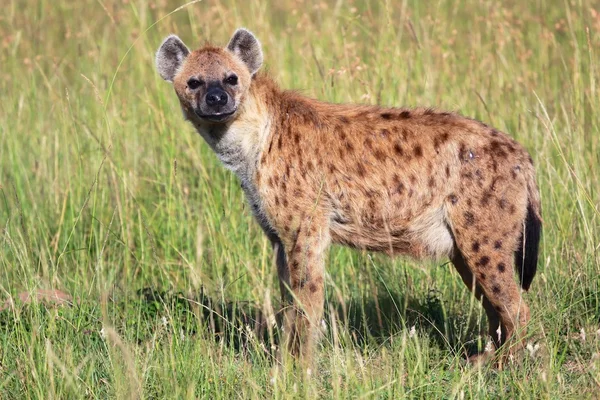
236,159
257,207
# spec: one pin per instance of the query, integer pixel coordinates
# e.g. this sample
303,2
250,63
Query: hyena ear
170,56
247,47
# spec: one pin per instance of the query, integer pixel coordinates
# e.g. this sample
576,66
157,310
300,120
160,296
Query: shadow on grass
366,321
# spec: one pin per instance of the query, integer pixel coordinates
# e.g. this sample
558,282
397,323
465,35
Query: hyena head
211,82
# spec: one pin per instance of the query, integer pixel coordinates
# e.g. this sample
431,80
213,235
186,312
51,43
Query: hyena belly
393,197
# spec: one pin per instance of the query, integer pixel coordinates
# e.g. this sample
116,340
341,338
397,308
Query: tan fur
414,182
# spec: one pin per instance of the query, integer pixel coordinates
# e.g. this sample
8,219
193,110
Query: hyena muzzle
417,182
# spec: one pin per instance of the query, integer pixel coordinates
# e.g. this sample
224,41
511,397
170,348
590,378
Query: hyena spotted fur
417,182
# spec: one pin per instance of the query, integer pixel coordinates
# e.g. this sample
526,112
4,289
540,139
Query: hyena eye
232,80
194,83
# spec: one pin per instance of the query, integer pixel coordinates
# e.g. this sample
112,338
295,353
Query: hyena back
416,182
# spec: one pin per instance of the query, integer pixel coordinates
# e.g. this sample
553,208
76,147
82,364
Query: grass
107,195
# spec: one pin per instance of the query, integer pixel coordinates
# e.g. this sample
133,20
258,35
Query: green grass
108,195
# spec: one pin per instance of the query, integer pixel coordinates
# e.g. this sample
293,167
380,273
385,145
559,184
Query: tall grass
106,194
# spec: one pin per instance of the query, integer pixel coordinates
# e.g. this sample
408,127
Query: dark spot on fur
483,261
384,133
431,182
515,172
400,188
296,138
398,150
343,119
496,149
485,198
462,152
386,115
418,151
331,168
360,169
270,181
405,115
294,265
502,204
279,141
368,143
494,132
482,276
496,289
276,200
469,203
475,246
379,155
447,171
513,209
469,218
413,179
453,199
313,287
285,202
467,175
498,244
501,267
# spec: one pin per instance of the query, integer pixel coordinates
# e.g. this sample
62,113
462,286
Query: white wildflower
532,349
323,326
272,320
249,332
102,333
499,333
164,321
582,334
412,332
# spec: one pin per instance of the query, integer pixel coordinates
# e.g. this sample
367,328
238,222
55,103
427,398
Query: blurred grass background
106,194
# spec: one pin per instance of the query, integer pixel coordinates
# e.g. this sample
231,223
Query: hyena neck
238,144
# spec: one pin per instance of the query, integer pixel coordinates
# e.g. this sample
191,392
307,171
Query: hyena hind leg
491,276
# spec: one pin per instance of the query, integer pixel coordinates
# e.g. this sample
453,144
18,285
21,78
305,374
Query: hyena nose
216,97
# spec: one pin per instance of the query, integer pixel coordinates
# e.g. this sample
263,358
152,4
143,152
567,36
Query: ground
165,280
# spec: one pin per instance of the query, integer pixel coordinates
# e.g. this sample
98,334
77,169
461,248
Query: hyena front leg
305,254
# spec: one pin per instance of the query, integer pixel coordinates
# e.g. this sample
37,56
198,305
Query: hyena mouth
217,117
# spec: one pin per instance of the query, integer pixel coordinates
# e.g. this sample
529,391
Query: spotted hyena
418,182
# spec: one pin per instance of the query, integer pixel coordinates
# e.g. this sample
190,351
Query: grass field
108,196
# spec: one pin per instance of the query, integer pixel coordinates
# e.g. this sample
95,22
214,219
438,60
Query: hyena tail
526,256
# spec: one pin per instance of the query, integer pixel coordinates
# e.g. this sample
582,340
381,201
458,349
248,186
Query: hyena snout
216,104
216,98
